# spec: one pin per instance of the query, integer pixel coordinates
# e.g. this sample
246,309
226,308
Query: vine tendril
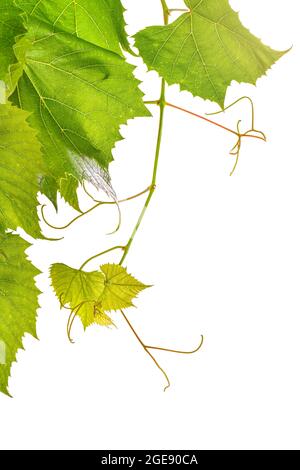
118,247
235,151
178,351
233,104
98,204
252,133
146,349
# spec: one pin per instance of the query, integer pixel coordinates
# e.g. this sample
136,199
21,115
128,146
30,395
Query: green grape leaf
18,301
99,22
21,169
205,49
80,290
78,93
68,190
117,12
49,188
11,26
120,288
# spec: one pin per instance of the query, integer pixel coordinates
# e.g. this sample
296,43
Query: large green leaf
205,49
18,301
10,27
21,168
78,93
100,22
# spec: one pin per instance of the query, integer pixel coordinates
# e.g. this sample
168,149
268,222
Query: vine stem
166,11
162,105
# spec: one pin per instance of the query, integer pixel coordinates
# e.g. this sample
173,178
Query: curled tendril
70,223
178,351
253,132
233,104
101,203
97,204
53,239
74,312
73,315
89,194
70,324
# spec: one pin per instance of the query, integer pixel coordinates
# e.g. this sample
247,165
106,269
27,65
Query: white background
223,254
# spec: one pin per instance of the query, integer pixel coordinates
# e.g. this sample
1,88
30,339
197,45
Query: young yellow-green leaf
78,93
97,317
99,22
18,301
205,49
11,26
91,294
80,291
120,288
21,168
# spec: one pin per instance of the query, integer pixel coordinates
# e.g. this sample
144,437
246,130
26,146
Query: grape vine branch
54,142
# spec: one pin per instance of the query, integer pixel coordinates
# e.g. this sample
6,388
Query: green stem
162,105
100,254
174,10
165,10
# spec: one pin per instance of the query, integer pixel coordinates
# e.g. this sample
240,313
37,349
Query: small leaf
205,49
80,290
98,318
21,171
120,288
68,190
49,188
18,301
